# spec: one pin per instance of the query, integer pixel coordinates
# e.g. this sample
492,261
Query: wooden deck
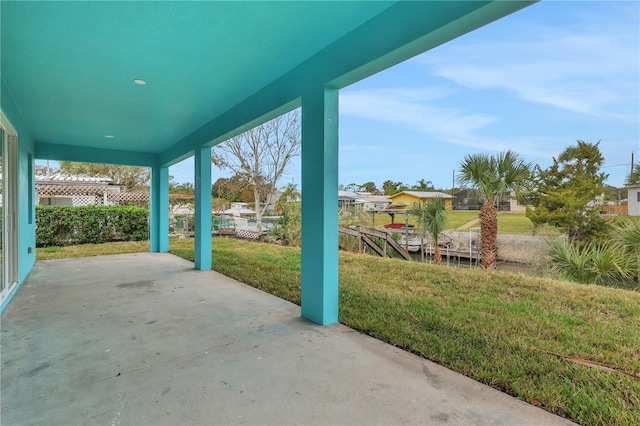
365,234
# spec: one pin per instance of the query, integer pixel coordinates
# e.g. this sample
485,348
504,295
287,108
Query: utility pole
453,181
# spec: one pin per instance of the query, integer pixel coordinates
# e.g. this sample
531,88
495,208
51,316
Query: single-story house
418,197
361,201
468,199
64,190
633,203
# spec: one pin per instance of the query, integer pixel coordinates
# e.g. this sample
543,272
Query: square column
159,205
319,297
202,249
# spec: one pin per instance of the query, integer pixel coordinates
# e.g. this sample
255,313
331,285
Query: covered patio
153,83
146,339
154,339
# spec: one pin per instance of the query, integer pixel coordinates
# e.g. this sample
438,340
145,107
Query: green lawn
508,223
84,250
493,327
454,219
512,223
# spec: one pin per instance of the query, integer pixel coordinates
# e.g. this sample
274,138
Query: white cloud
405,108
408,107
592,72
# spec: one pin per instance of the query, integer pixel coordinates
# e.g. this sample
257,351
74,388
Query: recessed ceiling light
139,81
109,136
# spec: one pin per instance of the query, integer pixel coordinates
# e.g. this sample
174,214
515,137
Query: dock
383,240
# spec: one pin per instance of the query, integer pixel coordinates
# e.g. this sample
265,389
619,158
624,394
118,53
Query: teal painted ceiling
210,67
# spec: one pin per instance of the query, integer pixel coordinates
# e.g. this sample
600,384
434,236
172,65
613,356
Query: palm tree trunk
437,259
489,235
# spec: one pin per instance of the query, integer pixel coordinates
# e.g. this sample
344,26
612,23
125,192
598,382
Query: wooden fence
622,210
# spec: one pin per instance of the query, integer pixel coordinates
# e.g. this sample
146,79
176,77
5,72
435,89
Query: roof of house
58,178
422,194
362,197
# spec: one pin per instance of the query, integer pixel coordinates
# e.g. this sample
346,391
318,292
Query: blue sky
534,82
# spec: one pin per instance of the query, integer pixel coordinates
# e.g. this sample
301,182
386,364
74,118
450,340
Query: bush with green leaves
62,226
613,261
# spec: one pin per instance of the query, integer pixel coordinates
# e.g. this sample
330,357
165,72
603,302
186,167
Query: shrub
600,263
62,226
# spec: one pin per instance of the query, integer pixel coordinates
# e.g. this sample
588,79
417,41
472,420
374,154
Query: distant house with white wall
633,198
361,201
62,190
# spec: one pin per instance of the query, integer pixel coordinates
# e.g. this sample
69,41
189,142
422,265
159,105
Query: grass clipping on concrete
514,333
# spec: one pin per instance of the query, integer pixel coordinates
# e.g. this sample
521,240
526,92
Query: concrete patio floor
145,339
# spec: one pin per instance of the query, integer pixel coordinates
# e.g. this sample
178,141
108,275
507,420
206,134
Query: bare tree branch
261,155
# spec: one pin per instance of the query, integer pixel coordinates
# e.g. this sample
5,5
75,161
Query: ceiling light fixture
109,136
139,81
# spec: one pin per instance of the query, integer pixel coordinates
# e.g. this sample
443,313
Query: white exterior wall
634,201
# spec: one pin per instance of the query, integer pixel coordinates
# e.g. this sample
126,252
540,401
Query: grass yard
454,219
458,218
514,333
86,250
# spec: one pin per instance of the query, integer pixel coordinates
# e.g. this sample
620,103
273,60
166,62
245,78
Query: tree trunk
258,210
489,235
437,258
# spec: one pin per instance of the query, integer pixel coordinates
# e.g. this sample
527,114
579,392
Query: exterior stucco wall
634,201
410,200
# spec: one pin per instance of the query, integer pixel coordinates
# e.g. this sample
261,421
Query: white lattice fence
249,235
86,201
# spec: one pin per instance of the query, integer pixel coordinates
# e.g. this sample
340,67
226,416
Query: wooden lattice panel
139,198
61,190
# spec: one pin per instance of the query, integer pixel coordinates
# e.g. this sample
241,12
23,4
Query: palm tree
495,178
432,217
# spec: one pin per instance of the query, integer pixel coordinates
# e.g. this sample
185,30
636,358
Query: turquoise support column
320,206
202,252
159,205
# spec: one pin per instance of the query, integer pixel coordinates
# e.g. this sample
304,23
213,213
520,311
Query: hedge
63,226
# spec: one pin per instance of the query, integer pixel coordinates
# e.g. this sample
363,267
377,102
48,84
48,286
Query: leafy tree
186,188
261,155
369,187
390,187
495,178
423,185
432,218
288,229
611,193
43,170
232,189
289,195
634,176
564,194
351,187
132,177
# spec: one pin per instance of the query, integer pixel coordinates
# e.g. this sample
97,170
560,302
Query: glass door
9,208
2,285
